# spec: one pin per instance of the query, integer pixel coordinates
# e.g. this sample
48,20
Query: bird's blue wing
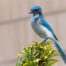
44,23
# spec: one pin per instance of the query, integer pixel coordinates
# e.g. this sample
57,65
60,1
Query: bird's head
35,10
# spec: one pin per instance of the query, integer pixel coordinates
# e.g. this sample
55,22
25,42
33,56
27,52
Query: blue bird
43,29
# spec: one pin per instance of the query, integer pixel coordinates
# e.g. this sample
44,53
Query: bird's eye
36,10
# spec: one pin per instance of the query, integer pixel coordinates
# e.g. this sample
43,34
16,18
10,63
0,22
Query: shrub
38,54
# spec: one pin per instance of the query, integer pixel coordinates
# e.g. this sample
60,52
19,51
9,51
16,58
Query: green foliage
38,54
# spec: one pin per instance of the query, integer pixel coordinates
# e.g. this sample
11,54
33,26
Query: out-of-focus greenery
38,54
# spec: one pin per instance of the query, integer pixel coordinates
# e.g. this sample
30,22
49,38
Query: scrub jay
43,29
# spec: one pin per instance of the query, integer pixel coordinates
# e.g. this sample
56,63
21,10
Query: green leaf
48,43
22,52
18,64
30,51
25,50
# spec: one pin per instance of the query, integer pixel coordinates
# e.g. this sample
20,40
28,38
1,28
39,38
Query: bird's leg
44,40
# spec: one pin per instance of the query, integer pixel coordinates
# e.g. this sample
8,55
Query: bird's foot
44,40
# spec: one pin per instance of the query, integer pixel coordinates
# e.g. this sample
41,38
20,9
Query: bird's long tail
61,51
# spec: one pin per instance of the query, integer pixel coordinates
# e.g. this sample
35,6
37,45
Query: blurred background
15,29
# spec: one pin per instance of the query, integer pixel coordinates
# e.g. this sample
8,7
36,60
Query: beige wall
16,32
